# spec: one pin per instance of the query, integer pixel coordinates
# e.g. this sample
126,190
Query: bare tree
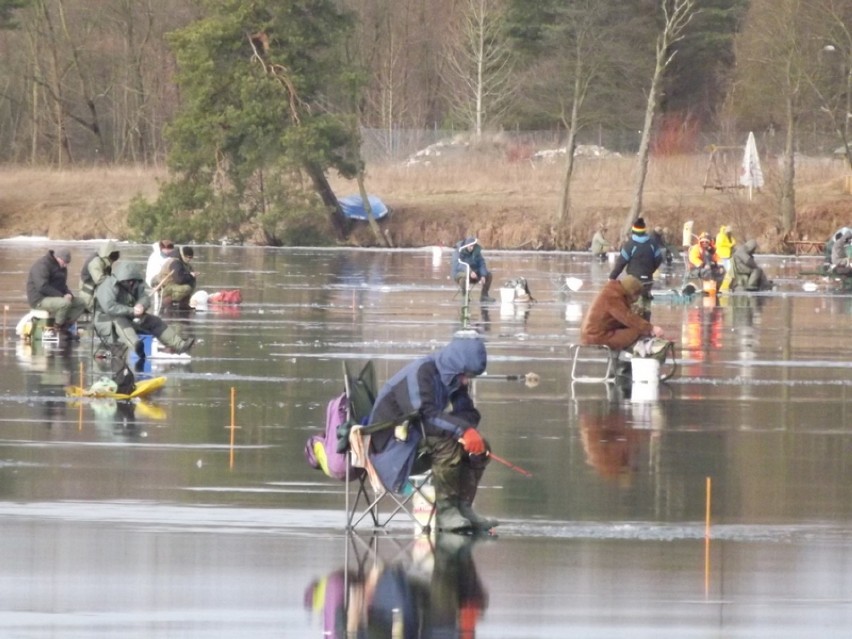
677,15
480,65
831,80
776,52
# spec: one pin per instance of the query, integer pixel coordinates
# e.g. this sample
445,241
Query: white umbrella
751,175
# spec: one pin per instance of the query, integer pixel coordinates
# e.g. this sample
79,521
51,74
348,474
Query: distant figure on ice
600,245
725,244
641,257
95,270
161,251
467,259
47,290
746,271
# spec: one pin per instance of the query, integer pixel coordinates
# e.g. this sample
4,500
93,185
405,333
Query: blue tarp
353,207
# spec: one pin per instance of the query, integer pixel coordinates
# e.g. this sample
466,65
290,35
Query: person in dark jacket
47,289
467,259
431,396
123,304
641,257
178,278
611,320
746,271
95,270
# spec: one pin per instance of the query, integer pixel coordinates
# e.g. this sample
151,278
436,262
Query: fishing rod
531,380
509,464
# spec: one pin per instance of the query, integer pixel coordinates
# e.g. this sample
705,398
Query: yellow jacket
724,243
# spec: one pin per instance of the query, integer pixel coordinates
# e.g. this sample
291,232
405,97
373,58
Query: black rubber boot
479,522
449,518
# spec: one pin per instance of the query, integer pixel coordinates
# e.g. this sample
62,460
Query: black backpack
125,381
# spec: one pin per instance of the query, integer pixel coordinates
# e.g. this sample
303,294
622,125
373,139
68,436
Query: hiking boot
486,298
479,522
185,345
449,517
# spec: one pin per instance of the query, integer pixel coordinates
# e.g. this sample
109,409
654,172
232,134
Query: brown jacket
611,321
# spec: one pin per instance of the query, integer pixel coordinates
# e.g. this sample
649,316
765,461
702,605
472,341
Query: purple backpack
321,451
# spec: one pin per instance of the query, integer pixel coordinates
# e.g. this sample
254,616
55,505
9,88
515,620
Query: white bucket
423,506
507,294
646,370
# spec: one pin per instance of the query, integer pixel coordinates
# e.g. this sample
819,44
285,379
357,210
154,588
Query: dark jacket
641,255
46,279
422,393
743,258
181,273
472,257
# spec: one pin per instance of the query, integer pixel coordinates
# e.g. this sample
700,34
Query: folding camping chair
379,503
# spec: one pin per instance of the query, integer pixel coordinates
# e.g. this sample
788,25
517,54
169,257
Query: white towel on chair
359,444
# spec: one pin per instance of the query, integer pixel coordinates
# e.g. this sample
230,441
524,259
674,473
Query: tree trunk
326,193
788,189
371,219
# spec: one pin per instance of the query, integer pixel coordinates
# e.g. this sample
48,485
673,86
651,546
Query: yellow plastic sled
143,388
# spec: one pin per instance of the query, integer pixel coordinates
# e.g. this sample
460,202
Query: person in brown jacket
611,320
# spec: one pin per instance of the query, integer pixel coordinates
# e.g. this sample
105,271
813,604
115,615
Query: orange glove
473,442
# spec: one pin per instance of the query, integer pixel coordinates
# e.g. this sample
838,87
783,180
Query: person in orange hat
704,261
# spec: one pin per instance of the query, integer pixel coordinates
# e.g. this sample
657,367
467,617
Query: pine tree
260,124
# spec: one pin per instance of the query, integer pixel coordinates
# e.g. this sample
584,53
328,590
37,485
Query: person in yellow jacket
725,244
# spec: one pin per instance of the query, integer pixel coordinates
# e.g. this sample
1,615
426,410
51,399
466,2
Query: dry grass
507,204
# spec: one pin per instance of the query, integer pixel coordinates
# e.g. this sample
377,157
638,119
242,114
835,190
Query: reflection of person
179,278
468,252
401,598
747,273
160,252
47,290
457,597
600,244
123,304
704,262
611,320
421,393
640,256
95,271
610,444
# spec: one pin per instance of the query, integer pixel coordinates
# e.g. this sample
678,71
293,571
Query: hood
106,248
750,246
122,271
463,355
469,242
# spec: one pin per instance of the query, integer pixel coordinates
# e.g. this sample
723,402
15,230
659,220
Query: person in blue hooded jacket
432,395
467,260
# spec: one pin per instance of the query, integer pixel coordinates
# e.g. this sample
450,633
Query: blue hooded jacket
422,392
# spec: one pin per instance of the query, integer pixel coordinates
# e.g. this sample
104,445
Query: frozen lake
143,520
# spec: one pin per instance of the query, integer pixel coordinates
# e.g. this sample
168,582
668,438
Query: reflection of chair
372,498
